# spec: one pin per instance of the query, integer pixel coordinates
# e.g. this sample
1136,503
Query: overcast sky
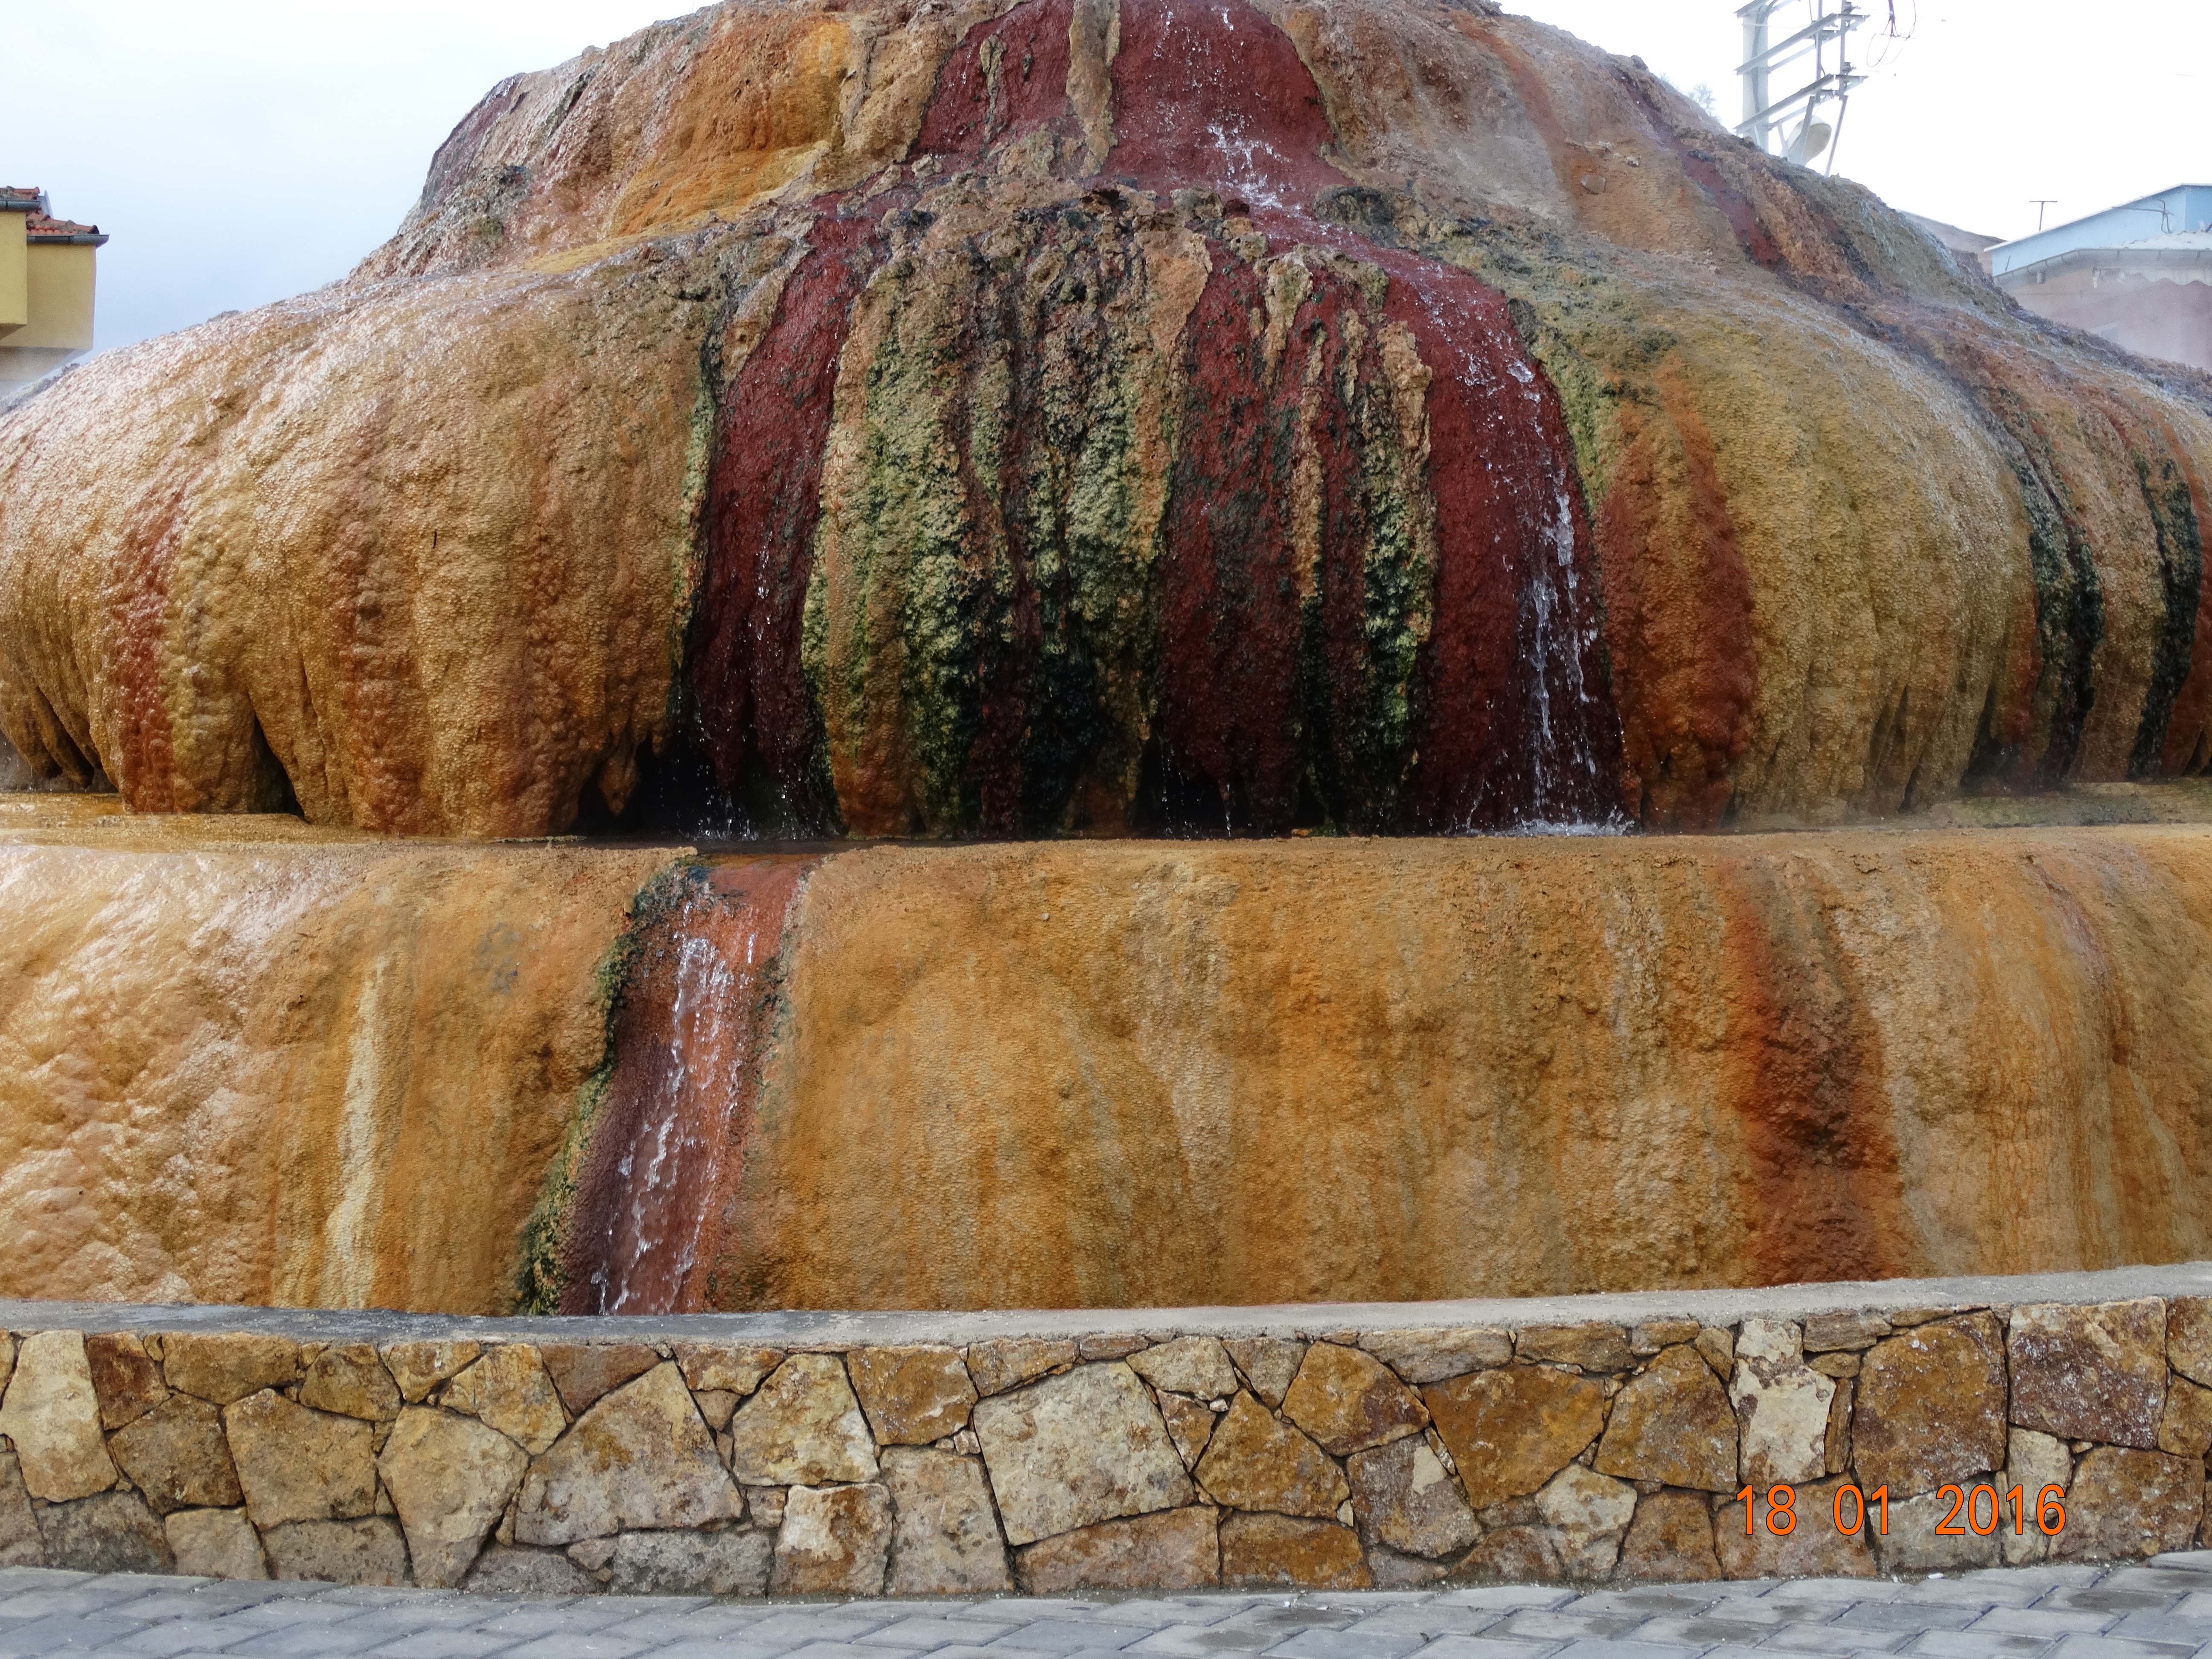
241,150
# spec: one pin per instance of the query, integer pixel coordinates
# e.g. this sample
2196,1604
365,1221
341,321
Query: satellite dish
1812,138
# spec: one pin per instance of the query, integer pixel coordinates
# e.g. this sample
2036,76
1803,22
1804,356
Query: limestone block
349,1380
1781,1406
1275,1549
1716,1347
726,1367
730,1561
1195,1365
1257,1461
2033,1462
1811,1549
1433,1355
1853,1332
1270,1365
300,1465
1913,1545
586,1373
1510,1430
1593,1346
177,1455
1171,1550
124,1378
1392,1571
1647,1338
504,1570
1588,1513
2090,1373
108,1532
53,1414
20,1543
833,1541
640,1458
1673,1424
1079,1448
216,1544
2125,1503
802,1427
1008,1362
912,1395
449,1478
1518,1554
717,1406
1404,1497
370,1551
765,1505
2188,1337
1670,1539
225,1366
1836,1455
1931,1406
2185,1426
1349,1400
419,1367
947,1541
1190,1425
508,1389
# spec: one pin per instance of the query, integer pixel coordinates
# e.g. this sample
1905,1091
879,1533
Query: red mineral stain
145,767
1000,83
667,1151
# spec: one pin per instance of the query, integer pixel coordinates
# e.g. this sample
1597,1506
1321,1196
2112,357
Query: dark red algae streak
668,1148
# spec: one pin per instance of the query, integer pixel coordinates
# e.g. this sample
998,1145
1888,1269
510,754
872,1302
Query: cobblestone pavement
2078,1612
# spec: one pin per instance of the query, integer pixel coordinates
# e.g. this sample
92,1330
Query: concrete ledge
1602,1438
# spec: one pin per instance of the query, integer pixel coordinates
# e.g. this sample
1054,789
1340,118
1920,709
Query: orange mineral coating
264,1063
1176,1075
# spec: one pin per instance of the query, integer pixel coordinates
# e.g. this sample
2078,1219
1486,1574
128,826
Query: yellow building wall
15,299
58,283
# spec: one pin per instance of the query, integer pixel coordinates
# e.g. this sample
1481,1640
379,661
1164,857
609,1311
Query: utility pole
1787,126
2041,203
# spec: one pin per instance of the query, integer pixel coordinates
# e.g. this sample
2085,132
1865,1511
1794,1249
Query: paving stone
1931,1406
348,1378
1349,1400
1588,1514
294,1464
1592,1345
1674,1425
1781,1406
1670,1537
1973,1645
1077,1449
1190,1425
1437,1354
1174,1549
1195,1365
946,1539
510,1390
1913,1545
728,1562
1403,1495
370,1551
1257,1461
176,1454
1275,1549
1270,1365
517,1572
216,1544
834,1541
124,1378
1812,1549
449,1478
420,1367
20,1543
2127,1502
1008,1362
1514,1554
912,1395
802,1427
2090,1373
224,1367
108,1532
640,1458
1511,1430
586,1372
51,1413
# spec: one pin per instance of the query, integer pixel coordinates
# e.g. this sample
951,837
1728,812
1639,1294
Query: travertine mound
1104,416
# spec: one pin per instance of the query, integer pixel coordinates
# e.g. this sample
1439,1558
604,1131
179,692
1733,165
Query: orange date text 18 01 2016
1979,1516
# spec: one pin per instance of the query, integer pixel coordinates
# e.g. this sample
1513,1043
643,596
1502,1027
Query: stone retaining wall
554,1455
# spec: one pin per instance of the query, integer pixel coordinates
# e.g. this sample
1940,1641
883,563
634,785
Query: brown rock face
912,1395
1673,1424
1274,1549
1255,1461
1177,1549
1931,1405
1510,1430
177,1456
834,1542
1671,1539
1814,1548
2132,1503
2090,1373
1405,1496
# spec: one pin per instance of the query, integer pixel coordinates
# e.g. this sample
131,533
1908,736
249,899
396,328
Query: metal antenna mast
1787,125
